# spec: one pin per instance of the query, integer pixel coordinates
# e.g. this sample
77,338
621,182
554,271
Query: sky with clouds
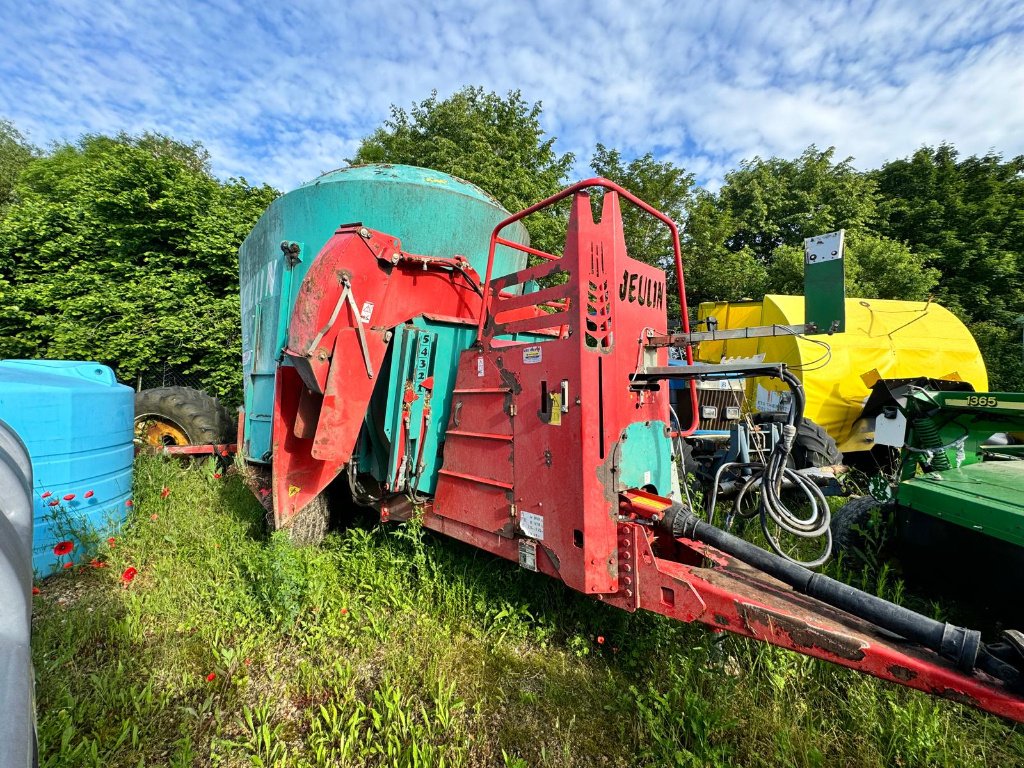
279,92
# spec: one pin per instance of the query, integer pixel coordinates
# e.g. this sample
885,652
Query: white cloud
279,94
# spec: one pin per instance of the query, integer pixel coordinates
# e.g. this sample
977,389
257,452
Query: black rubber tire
848,522
199,416
813,447
687,463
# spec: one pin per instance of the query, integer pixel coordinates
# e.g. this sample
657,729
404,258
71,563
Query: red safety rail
562,306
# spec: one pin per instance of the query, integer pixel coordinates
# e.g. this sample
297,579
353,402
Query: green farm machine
956,492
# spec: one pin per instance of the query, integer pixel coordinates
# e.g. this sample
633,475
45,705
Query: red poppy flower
128,575
48,494
62,548
165,492
35,590
264,492
248,662
69,496
88,494
68,565
216,475
344,611
211,677
154,517
129,503
600,639
97,563
111,541
55,502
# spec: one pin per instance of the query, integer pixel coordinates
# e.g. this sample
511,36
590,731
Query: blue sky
279,92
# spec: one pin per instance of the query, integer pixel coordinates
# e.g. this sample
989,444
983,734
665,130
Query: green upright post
824,282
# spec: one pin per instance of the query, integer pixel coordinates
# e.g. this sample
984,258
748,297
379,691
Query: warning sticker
532,525
528,554
366,312
532,355
771,400
480,366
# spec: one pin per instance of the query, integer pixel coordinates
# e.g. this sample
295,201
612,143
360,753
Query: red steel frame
535,444
620,191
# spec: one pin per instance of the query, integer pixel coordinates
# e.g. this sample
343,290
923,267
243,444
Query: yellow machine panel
884,339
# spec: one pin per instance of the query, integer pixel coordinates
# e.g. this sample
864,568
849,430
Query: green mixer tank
432,213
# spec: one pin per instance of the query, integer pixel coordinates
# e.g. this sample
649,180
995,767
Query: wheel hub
159,432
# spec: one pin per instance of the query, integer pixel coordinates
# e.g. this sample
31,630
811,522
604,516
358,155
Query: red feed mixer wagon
527,413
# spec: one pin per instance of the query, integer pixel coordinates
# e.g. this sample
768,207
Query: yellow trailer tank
884,339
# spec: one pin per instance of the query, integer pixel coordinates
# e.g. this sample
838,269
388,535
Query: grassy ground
389,646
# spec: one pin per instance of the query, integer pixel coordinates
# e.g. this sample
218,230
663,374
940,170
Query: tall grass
390,646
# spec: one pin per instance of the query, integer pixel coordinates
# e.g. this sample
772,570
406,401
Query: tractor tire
813,446
687,463
848,523
180,416
309,525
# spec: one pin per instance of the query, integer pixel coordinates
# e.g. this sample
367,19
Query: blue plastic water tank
77,422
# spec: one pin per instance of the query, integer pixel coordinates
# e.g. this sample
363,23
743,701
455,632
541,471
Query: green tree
15,155
966,217
748,239
124,250
778,202
662,185
876,267
714,270
496,143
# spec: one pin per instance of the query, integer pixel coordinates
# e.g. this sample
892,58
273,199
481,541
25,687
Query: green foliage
496,143
876,268
748,238
1002,348
964,217
664,186
714,271
15,154
776,202
124,250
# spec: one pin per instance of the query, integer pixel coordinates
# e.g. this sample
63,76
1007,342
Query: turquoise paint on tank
421,350
644,457
430,212
78,425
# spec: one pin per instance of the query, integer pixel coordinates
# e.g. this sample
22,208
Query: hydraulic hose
958,644
768,479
